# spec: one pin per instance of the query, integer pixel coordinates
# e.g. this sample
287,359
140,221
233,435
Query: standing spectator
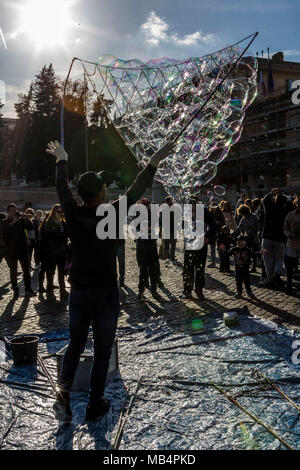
195,260
121,261
242,255
227,213
2,240
37,221
292,232
248,226
276,207
255,206
147,257
16,248
53,251
169,245
240,202
29,215
224,242
220,222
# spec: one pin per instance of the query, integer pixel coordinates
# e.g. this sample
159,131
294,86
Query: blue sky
35,34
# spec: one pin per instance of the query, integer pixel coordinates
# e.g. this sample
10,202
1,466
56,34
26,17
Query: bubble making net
200,102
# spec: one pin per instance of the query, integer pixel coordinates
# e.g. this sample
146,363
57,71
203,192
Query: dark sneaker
211,265
121,284
16,292
30,292
160,283
154,292
62,407
140,295
64,294
253,270
186,295
200,295
42,290
279,284
238,295
97,409
51,296
251,295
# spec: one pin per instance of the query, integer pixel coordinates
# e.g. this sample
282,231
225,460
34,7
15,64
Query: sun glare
46,22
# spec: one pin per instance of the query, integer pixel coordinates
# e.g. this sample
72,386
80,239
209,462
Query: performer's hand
56,149
162,153
264,251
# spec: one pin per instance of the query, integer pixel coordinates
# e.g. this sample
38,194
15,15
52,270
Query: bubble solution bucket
24,349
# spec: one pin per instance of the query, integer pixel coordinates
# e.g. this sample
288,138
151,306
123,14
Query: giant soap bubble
153,102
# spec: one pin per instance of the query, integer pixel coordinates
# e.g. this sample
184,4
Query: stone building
268,152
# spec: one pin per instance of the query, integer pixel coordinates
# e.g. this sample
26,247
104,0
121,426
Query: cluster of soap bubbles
215,195
150,103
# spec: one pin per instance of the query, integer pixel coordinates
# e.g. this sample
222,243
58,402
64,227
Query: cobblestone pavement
36,315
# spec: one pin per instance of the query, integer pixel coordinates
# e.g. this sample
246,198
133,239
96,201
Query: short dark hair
194,199
10,206
169,198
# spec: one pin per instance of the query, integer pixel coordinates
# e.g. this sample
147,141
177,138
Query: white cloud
155,30
291,52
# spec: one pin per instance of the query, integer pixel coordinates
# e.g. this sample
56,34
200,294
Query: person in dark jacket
147,257
248,226
2,240
121,261
195,259
225,240
94,296
169,244
242,255
53,251
13,230
276,207
220,222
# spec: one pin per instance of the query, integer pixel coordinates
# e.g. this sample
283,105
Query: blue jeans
98,307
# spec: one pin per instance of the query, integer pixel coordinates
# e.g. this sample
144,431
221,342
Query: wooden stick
257,420
121,426
251,333
266,379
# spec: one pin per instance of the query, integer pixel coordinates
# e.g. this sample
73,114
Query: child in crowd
242,255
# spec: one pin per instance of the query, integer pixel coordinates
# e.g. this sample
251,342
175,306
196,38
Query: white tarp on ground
176,406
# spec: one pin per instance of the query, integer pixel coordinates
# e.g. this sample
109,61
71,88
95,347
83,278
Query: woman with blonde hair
53,251
226,209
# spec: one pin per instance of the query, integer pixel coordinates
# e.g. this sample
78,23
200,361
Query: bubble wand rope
266,379
216,89
62,109
257,420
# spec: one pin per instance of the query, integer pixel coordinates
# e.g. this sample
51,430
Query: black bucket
24,349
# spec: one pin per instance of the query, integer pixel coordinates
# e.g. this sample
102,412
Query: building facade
268,152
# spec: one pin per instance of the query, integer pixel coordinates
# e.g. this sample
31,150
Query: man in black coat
13,230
